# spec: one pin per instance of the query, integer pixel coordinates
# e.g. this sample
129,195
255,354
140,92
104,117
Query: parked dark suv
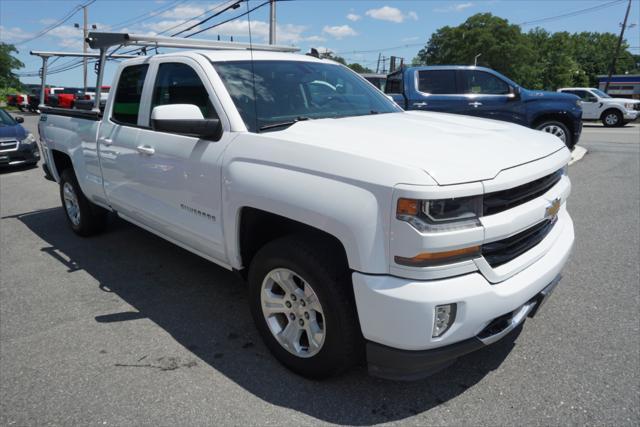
478,91
17,146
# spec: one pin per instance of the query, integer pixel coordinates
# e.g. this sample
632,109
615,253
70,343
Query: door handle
106,141
475,104
145,149
420,104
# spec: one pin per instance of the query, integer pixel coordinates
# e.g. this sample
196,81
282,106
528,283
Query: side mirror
514,92
185,119
19,119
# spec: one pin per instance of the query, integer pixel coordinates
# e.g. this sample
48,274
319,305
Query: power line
56,24
233,5
146,16
571,14
228,20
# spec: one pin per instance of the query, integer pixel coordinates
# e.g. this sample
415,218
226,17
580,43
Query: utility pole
85,33
378,65
615,56
384,66
272,22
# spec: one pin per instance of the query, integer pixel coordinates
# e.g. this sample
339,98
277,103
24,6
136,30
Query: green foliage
537,59
359,68
327,54
8,63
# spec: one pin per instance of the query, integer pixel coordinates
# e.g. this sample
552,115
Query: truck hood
619,101
12,132
551,96
451,148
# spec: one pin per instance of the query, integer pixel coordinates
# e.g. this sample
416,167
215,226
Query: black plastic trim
409,365
71,112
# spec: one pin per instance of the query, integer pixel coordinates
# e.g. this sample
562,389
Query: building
622,85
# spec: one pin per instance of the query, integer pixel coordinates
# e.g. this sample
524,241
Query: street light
475,60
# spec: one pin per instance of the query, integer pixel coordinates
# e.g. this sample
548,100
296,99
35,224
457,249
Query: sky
356,30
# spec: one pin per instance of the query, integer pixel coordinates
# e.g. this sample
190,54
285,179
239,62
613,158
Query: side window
585,96
437,82
482,83
178,83
127,101
394,84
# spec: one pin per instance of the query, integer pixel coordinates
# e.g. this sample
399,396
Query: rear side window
482,83
394,84
126,105
437,82
178,83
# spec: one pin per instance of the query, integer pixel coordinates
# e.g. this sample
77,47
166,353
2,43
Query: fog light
444,317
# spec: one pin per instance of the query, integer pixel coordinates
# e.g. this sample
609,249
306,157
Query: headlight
30,139
578,103
628,106
440,215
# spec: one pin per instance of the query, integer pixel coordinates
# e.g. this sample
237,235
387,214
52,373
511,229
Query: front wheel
612,118
84,217
558,129
302,303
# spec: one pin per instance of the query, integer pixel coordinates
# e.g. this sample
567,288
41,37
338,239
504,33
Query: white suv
597,105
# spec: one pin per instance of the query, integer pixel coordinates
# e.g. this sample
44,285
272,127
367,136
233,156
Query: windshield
290,91
6,119
600,93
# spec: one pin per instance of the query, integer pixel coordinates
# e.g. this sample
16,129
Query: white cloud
339,31
353,17
315,39
458,7
185,11
391,14
13,34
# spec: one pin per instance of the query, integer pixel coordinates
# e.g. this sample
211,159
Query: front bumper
398,313
631,115
407,365
22,155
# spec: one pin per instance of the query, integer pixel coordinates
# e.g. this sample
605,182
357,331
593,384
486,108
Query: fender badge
553,209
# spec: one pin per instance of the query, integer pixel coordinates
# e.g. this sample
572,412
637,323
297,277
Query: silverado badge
552,210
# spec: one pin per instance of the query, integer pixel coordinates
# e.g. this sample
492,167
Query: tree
8,63
327,54
359,68
498,41
537,59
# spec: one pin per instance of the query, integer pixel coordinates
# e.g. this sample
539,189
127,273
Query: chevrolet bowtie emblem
553,209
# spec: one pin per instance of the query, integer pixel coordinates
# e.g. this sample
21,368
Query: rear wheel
302,303
84,217
558,129
612,118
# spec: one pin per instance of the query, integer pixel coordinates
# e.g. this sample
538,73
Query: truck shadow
204,308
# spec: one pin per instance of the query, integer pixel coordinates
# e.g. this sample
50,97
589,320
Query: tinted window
437,82
276,92
127,102
6,119
179,84
394,84
480,82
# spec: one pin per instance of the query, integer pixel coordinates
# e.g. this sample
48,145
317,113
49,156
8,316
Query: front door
180,175
488,96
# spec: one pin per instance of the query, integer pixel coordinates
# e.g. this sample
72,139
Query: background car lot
126,328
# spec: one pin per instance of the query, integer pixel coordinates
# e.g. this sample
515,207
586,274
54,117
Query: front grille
636,106
499,201
8,145
503,251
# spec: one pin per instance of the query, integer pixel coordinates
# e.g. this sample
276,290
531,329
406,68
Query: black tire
547,125
92,219
315,261
612,118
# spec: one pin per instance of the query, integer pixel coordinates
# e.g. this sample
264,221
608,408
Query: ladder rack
98,40
45,55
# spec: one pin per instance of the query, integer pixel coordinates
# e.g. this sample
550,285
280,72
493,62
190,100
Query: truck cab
597,105
482,92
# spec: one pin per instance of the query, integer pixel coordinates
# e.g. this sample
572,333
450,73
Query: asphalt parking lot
127,329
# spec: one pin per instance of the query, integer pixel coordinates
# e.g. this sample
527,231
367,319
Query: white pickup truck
597,105
365,232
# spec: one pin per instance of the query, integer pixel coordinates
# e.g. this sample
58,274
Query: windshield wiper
282,124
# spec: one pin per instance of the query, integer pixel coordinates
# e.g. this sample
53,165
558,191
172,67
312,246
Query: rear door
486,95
435,90
117,142
591,106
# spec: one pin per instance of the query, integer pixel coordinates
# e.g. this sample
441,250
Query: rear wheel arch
61,161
